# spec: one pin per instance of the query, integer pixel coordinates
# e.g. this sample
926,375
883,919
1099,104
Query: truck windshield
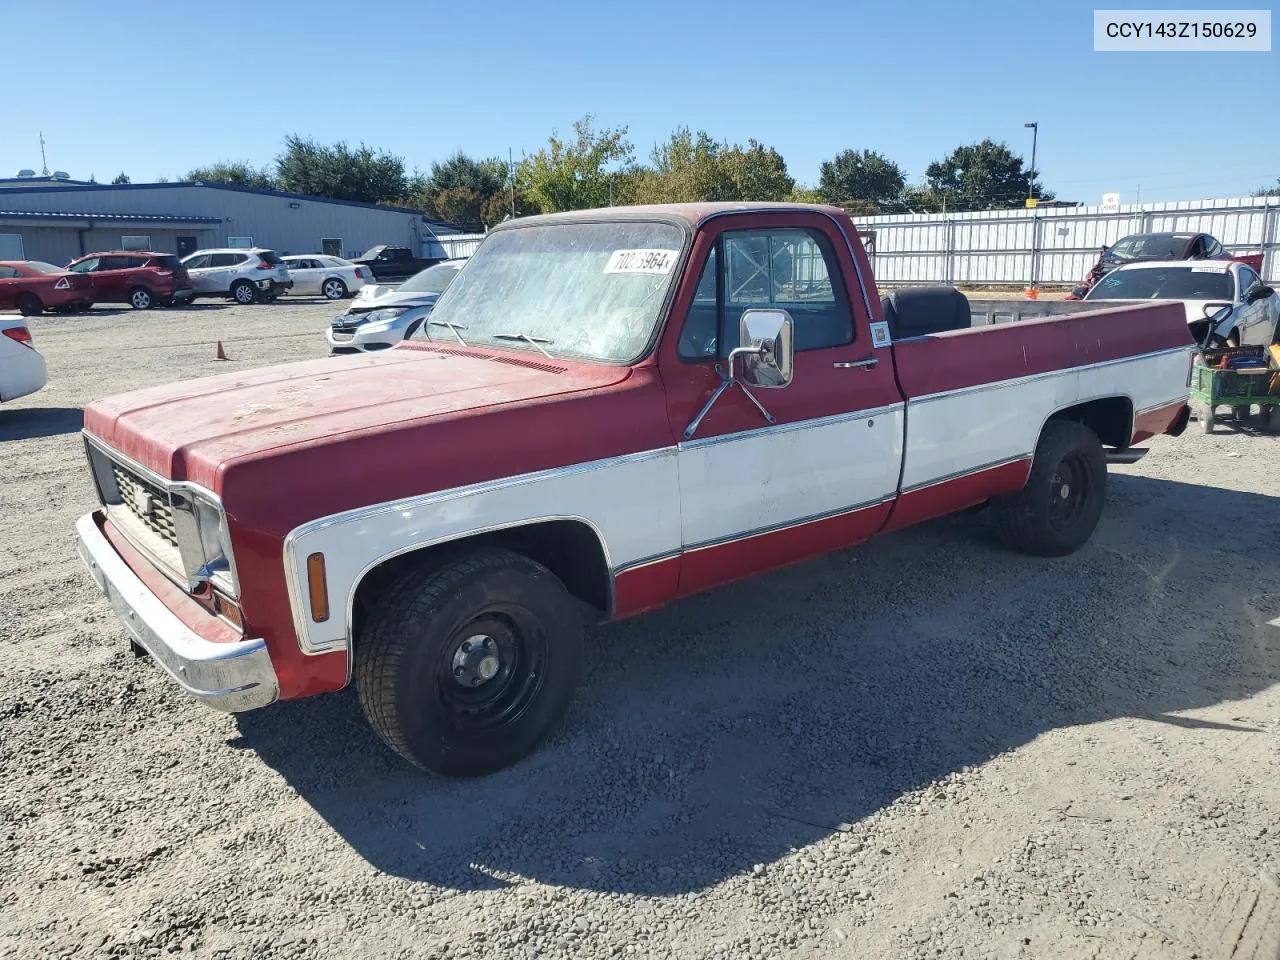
590,290
1163,283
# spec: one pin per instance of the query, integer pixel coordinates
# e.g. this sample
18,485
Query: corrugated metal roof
130,217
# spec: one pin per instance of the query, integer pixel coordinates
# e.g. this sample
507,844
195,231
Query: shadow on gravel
726,730
26,423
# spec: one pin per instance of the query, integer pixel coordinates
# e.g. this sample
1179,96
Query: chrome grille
147,502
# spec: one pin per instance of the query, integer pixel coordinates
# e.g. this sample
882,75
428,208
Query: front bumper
226,676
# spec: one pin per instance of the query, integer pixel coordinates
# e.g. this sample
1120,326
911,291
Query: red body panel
966,358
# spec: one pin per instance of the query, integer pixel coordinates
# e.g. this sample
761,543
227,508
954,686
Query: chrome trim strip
769,430
968,471
645,562
1159,406
1032,378
788,524
234,677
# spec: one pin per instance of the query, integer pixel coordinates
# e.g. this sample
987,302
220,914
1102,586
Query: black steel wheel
1057,510
465,664
29,305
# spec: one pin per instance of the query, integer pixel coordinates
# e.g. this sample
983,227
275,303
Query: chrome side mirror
768,348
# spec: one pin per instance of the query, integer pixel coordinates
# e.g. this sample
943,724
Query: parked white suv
243,274
331,277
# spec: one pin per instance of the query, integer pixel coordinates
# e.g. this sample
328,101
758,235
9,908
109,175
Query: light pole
1031,177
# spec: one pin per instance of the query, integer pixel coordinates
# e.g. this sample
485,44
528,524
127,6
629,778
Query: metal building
57,220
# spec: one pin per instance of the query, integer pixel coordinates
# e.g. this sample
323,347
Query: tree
757,172
483,177
340,172
803,194
121,178
862,179
576,174
687,168
498,207
237,173
459,205
981,176
1271,191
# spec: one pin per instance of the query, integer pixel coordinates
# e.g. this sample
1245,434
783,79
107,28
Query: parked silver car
330,277
378,323
243,274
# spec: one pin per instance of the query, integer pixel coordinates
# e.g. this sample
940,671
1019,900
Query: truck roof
693,213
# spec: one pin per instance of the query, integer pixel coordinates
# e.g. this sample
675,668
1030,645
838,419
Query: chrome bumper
227,676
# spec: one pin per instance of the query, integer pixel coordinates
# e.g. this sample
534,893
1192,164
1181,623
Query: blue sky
162,89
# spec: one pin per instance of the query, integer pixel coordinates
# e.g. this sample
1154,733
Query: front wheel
465,666
334,289
1059,508
242,292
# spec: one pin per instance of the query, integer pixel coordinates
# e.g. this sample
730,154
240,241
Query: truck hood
192,429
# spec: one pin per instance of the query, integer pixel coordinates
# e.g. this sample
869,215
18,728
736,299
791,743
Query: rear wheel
1206,419
1059,508
464,666
29,305
242,292
140,298
333,289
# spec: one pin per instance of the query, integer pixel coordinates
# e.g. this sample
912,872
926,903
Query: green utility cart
1238,388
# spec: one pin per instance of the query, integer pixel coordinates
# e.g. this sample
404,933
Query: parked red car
140,278
33,286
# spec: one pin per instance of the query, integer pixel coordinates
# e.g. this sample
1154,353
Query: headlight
385,314
205,547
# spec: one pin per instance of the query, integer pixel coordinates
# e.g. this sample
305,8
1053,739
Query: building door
186,245
332,246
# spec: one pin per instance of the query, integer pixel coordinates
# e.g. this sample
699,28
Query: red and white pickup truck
606,411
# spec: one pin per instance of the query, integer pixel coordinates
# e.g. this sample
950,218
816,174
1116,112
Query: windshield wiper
455,327
536,341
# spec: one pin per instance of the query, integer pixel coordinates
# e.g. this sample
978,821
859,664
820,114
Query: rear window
1164,283
165,263
43,267
271,257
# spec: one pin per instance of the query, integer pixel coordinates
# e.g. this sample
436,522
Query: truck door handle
864,362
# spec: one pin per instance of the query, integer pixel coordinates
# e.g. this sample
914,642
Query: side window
698,336
8,273
86,266
1247,279
114,263
1212,247
198,262
795,270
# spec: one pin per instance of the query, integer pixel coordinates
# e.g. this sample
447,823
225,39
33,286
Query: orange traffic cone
222,354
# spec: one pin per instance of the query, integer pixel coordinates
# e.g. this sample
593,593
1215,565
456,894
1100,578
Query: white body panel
726,487
776,476
962,430
22,368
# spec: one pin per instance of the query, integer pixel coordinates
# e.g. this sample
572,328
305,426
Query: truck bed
968,391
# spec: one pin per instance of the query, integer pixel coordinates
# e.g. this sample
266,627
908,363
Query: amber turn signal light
317,588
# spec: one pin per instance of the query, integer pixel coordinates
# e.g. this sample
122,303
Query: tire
140,298
29,305
427,695
243,293
333,289
1233,338
1241,413
1059,508
1206,419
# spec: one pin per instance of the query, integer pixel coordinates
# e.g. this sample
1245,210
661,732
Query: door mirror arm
772,348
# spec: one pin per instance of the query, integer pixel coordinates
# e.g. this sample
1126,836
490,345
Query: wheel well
571,549
1110,418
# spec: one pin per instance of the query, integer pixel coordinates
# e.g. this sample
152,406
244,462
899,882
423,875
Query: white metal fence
459,244
1053,245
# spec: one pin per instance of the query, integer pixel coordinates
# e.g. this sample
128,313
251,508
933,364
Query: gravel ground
924,747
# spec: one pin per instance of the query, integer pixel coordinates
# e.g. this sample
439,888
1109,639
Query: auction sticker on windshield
641,261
